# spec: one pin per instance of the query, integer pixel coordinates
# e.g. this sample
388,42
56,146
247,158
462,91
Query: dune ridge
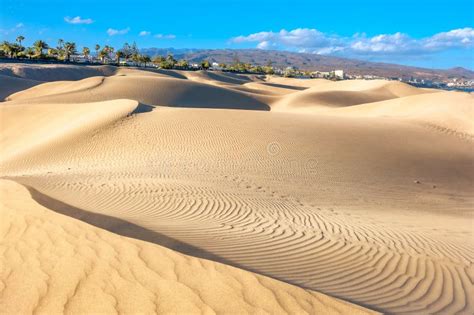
54,72
150,90
11,85
362,202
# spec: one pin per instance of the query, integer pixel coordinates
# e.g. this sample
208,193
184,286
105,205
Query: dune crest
147,89
45,125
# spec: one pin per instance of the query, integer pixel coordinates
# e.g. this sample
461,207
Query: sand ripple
371,202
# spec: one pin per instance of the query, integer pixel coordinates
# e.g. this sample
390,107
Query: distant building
215,66
278,71
78,58
320,74
339,74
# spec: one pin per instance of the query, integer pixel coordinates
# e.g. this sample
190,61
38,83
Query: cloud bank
158,36
112,31
165,36
78,20
314,41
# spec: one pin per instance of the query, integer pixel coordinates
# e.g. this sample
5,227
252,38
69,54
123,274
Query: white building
215,66
78,58
130,63
339,74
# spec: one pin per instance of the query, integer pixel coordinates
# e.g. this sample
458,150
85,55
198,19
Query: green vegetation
86,52
205,64
19,39
69,49
39,46
128,55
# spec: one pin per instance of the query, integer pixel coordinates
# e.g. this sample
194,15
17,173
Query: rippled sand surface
360,190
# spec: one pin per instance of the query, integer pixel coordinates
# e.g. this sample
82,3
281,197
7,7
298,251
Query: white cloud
462,37
11,30
165,36
327,50
112,31
384,43
297,38
144,33
78,20
264,45
314,41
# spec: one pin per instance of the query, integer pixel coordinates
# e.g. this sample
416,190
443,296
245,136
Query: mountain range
312,62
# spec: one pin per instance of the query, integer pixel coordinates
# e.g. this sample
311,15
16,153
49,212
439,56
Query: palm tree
158,60
136,58
205,65
102,54
52,52
60,43
107,51
10,49
39,46
97,48
7,48
119,54
69,49
86,52
183,64
19,39
145,59
30,52
170,60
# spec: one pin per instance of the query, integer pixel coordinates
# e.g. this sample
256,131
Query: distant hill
304,61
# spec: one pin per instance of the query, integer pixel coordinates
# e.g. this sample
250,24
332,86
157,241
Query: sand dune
43,125
445,111
54,72
368,202
57,87
147,89
10,85
107,273
15,77
219,77
343,94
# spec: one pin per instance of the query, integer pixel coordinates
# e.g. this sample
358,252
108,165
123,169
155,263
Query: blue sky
433,34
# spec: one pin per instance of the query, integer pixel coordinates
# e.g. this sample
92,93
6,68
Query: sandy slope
53,72
445,111
55,264
326,95
369,202
156,90
10,85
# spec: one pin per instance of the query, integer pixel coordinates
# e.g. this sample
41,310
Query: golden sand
361,190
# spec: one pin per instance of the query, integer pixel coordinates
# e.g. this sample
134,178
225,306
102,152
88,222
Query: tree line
106,54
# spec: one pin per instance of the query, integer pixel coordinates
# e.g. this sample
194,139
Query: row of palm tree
39,50
130,54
